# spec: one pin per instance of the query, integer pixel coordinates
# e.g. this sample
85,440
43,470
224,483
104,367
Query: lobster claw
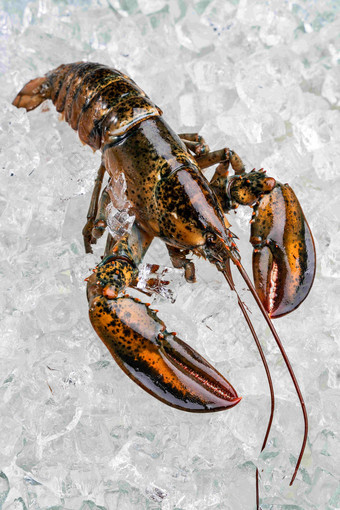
158,361
284,254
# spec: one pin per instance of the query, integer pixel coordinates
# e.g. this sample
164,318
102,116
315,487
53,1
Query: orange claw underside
159,362
284,254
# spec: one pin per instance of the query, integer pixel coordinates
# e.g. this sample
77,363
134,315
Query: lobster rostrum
171,199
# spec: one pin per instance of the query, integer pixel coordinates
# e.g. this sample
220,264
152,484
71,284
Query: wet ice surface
76,433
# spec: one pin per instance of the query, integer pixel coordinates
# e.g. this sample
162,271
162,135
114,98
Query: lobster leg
205,158
179,261
92,212
100,222
224,157
195,143
221,156
158,361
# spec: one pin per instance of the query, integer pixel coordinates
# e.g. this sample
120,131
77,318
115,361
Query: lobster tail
33,94
47,87
99,102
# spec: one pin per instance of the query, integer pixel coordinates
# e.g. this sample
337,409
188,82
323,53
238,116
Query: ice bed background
260,77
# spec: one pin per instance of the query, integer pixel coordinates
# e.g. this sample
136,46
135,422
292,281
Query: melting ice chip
119,216
161,280
119,222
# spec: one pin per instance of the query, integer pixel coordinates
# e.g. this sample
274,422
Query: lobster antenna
286,360
228,276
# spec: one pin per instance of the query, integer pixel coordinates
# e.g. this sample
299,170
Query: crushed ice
76,433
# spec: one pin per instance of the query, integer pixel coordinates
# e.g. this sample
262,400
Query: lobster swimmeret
171,199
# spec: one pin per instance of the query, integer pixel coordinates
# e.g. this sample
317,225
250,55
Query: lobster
157,176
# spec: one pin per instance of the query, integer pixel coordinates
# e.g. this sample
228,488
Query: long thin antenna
228,276
286,360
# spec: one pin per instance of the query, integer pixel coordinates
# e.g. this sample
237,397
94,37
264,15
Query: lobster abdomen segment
99,102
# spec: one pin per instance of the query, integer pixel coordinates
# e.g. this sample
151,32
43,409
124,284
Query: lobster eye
211,238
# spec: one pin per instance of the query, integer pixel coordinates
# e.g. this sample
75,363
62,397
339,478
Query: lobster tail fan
33,94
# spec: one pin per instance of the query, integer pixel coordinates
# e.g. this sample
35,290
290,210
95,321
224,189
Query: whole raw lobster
171,199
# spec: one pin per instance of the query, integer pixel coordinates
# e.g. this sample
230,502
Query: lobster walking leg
179,261
195,143
92,212
100,222
158,361
221,155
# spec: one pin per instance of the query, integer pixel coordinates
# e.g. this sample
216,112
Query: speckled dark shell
99,102
282,237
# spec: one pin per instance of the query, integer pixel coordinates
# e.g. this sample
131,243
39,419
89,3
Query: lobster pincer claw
158,361
284,254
